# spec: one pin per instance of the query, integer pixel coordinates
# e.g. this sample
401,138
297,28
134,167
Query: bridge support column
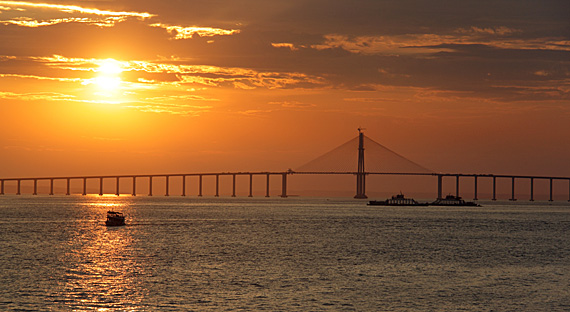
18,191
513,190
1,187
67,191
284,185
100,186
51,186
569,190
84,187
439,186
217,185
550,190
250,185
117,191
233,185
267,187
494,188
531,189
475,191
183,185
167,186
134,193
457,185
35,187
200,186
150,186
361,174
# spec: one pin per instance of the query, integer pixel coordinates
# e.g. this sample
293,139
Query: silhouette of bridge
360,157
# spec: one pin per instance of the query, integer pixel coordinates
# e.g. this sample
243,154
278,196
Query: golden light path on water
103,271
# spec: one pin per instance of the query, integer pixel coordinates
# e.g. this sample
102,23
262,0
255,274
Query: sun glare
108,79
108,83
110,67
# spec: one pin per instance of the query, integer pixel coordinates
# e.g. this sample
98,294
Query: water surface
293,254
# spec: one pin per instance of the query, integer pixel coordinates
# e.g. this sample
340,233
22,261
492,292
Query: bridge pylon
361,174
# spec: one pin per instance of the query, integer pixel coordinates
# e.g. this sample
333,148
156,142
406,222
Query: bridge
349,158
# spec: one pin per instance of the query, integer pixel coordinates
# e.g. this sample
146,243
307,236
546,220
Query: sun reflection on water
101,266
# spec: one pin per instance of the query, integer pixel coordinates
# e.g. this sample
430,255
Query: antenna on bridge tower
361,174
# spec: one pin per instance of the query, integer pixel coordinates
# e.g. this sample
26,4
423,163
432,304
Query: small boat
396,200
115,218
451,200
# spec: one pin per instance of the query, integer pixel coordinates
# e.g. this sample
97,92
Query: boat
396,200
451,200
115,218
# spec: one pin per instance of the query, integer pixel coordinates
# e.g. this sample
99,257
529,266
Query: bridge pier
51,186
167,180
284,185
101,186
234,185
1,187
117,191
67,188
149,185
18,191
475,191
457,185
439,186
200,186
250,185
361,174
35,187
494,188
84,187
183,185
134,193
267,187
513,189
217,185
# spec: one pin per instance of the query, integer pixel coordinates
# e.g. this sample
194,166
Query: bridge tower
361,174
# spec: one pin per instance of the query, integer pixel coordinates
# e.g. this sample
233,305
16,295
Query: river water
274,254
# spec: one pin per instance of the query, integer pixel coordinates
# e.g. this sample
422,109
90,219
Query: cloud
173,109
188,32
71,9
290,46
292,104
41,96
207,75
41,78
28,22
498,37
72,14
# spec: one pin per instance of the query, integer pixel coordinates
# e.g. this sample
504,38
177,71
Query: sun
108,83
110,67
108,79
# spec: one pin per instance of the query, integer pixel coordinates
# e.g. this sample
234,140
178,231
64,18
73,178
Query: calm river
292,254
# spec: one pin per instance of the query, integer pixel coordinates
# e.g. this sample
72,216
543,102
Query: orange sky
134,87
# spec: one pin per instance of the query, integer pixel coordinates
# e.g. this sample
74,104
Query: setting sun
110,67
108,84
108,79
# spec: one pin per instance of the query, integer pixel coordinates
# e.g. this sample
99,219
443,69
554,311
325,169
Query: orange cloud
188,32
72,9
498,37
290,46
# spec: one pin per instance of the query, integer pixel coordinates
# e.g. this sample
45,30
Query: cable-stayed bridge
360,157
